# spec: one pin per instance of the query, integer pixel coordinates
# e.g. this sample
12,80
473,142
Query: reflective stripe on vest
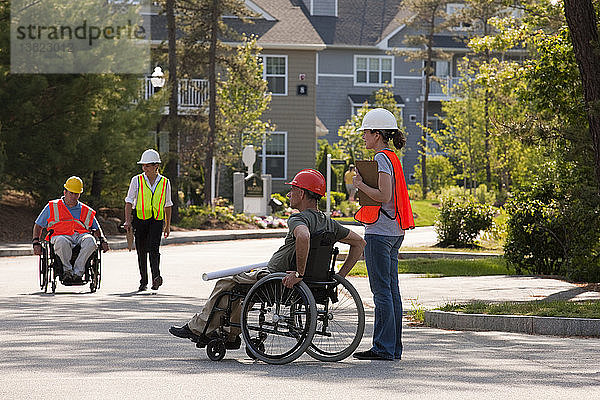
62,222
151,204
403,211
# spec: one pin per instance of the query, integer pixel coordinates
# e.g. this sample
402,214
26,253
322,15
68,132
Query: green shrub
281,197
336,199
195,217
459,223
554,233
348,208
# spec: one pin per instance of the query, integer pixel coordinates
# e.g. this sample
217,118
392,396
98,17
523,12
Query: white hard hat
379,118
150,156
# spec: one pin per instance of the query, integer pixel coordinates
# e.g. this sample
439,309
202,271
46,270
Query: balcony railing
439,88
192,93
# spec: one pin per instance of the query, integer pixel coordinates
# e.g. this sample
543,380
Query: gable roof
359,22
290,25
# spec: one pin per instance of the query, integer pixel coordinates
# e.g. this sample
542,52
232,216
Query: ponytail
396,135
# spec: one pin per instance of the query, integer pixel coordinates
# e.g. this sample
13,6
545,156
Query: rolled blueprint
232,271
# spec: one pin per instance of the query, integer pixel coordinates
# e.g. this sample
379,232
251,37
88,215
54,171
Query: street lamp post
157,80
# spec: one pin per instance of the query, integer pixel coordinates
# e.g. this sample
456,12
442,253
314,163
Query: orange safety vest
61,222
403,214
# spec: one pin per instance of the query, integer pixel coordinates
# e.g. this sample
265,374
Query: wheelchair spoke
340,324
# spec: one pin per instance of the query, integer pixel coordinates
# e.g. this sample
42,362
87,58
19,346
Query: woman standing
150,194
384,232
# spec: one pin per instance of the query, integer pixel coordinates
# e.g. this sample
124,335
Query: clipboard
370,175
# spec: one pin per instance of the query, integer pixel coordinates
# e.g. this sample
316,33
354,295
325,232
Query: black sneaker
370,355
235,344
142,288
156,282
184,332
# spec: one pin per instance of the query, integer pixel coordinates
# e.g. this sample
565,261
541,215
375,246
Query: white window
457,8
275,73
373,70
441,69
274,155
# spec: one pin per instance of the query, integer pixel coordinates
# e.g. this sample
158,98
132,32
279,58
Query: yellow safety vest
151,204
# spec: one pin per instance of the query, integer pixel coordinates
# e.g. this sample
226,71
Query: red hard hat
309,179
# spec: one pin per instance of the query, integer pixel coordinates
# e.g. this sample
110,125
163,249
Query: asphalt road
114,344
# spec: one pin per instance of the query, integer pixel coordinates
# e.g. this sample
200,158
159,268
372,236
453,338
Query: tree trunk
96,192
212,101
580,15
173,159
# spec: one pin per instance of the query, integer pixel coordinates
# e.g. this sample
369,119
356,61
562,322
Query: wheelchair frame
51,268
323,315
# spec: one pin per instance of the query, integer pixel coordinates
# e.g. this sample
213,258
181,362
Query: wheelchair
323,315
51,268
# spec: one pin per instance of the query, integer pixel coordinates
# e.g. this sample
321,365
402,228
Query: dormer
327,8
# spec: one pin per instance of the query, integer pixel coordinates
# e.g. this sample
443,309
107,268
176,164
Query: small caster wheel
215,349
53,286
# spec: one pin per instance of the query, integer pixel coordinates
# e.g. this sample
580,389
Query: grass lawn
583,309
425,212
434,268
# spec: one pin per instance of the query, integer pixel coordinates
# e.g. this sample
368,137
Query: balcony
439,88
192,94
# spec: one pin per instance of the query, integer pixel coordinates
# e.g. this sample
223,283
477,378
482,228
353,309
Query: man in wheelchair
307,187
69,223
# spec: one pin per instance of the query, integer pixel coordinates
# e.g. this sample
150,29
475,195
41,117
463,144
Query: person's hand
127,225
290,279
105,246
37,249
357,179
167,230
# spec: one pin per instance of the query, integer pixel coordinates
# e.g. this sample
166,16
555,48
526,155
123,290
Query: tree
427,17
58,125
172,166
583,28
478,13
242,99
201,22
351,142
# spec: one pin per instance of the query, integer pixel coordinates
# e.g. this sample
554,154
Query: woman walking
150,194
384,232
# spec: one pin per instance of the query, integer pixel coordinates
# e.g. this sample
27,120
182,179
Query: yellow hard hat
74,184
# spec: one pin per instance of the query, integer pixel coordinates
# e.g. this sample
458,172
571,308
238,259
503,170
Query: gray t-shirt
315,221
385,225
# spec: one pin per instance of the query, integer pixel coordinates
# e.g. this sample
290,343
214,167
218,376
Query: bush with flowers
269,222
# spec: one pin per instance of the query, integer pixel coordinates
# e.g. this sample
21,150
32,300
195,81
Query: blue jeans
381,256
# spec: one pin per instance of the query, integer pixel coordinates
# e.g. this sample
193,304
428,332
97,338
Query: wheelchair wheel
340,323
94,273
43,270
278,323
215,349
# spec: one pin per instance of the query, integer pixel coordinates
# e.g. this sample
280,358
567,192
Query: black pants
147,241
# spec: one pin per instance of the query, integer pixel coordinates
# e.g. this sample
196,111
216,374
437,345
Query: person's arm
383,193
99,234
302,235
167,228
128,209
357,245
37,246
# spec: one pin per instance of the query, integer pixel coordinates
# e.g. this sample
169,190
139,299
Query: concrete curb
532,325
118,243
406,255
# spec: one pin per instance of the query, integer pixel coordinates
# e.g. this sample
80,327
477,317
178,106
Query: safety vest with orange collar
61,221
151,204
403,214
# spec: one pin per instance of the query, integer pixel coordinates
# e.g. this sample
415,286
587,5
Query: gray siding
336,82
296,114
